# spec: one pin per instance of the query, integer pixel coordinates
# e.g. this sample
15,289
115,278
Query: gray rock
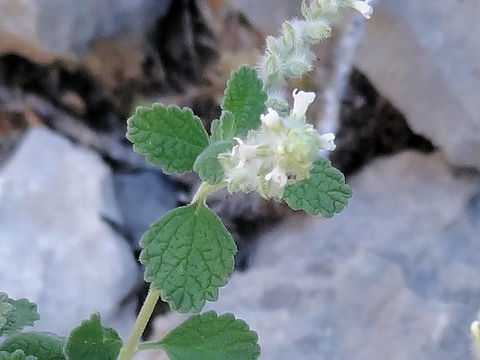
423,57
278,11
143,198
55,249
70,26
395,276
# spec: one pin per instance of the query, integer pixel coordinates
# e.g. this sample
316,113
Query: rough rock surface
394,276
70,26
55,249
143,197
278,11
425,58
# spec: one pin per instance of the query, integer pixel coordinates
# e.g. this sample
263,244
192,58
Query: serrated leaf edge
164,296
142,109
213,314
341,177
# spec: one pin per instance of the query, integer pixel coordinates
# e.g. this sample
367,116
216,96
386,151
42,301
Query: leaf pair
176,140
201,337
90,340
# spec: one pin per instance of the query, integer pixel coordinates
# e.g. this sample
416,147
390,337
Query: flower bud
317,30
289,35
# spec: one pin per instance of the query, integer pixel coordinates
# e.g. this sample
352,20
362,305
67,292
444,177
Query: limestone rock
143,197
424,56
55,249
70,26
278,11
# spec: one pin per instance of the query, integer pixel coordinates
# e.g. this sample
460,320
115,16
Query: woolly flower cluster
280,152
289,55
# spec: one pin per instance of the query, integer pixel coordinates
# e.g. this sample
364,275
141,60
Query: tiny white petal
243,152
278,176
270,118
302,101
363,7
327,141
238,140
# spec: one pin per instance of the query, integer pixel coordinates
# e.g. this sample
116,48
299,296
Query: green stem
130,346
206,189
148,345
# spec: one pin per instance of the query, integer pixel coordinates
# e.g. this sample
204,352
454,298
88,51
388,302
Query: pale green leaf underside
245,99
188,255
323,193
168,136
16,314
207,165
44,346
92,341
17,355
211,337
223,129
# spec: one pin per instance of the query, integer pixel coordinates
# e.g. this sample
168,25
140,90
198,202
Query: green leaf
207,165
43,345
245,99
168,136
223,129
188,255
6,310
17,355
16,314
92,341
324,192
211,337
215,131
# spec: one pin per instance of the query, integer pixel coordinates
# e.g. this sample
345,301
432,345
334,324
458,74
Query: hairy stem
130,346
148,345
206,189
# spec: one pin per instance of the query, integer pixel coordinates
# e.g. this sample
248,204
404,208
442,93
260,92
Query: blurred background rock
395,276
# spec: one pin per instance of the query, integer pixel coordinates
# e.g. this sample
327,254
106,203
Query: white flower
363,7
243,152
302,101
278,176
327,142
270,118
280,152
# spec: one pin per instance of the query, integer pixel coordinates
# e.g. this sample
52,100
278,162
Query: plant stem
130,346
148,345
206,189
